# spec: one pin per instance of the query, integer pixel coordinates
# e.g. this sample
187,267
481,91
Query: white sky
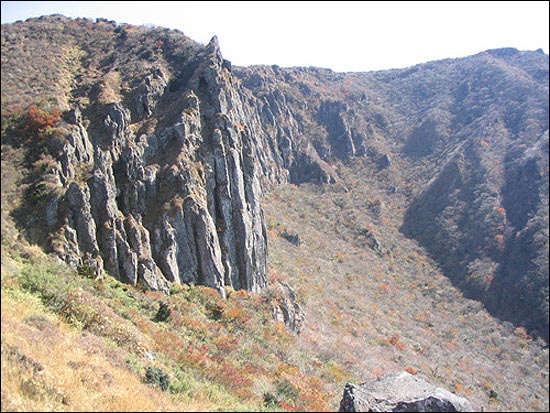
343,36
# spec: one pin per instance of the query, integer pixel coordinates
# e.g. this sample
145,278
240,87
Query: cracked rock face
180,204
401,392
287,310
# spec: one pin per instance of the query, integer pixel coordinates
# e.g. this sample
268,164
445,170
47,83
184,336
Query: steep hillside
376,303
466,142
74,343
404,209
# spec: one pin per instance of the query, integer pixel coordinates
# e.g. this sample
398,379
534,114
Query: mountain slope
465,139
141,154
147,173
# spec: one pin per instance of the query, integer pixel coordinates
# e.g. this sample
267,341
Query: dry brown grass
71,343
109,88
49,366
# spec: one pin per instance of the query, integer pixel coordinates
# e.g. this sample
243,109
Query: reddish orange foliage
378,371
288,406
154,295
393,340
38,121
522,333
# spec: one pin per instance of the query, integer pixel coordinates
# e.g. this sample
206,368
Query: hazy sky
343,36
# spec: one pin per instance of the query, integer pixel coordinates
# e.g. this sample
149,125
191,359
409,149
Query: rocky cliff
157,167
158,183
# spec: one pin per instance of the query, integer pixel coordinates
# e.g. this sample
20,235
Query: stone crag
401,392
177,204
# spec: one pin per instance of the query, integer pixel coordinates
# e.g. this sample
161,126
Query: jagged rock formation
165,150
177,203
286,309
401,392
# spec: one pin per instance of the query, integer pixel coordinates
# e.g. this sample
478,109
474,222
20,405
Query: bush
86,271
163,312
270,400
287,391
47,284
30,125
157,377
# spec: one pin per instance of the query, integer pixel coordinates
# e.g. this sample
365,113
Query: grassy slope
91,340
47,365
73,343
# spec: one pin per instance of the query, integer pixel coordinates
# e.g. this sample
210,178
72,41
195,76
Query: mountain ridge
153,155
334,117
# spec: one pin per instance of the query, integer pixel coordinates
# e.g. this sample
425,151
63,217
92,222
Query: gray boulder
401,392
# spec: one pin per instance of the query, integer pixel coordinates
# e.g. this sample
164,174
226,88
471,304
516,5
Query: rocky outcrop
287,154
331,116
286,308
180,204
148,94
401,392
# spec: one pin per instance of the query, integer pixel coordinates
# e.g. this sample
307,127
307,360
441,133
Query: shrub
86,271
157,377
287,391
47,284
163,312
32,124
270,400
38,121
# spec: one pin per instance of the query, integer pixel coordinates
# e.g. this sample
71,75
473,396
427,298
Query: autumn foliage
32,124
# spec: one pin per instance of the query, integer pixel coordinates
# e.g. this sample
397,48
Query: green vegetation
155,376
163,312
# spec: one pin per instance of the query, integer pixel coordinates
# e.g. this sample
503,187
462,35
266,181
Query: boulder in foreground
401,392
